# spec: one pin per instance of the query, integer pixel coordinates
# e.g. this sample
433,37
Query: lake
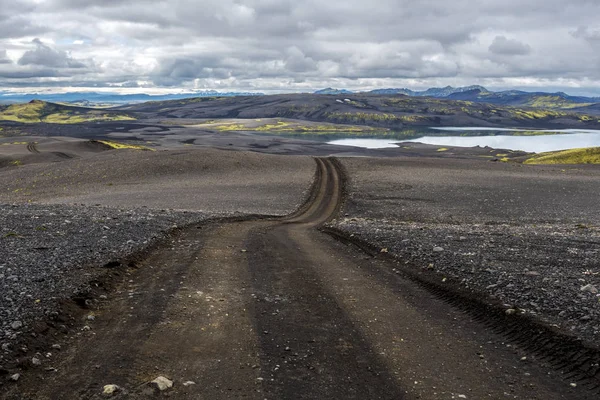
511,139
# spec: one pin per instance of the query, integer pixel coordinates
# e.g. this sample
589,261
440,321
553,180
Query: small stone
244,251
110,389
36,361
462,396
438,249
162,383
573,384
462,238
56,346
15,377
91,317
189,383
384,250
589,288
16,325
86,328
532,273
510,311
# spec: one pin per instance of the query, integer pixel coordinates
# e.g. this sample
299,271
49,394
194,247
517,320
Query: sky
299,45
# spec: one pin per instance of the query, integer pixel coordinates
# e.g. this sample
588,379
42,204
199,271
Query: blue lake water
492,137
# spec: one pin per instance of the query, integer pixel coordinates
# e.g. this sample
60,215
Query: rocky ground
53,252
527,237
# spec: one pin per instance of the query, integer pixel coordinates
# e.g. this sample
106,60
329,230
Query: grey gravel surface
528,237
50,252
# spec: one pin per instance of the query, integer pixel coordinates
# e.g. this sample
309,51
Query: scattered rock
109,390
16,325
36,361
589,289
189,383
56,346
15,377
510,311
162,383
438,249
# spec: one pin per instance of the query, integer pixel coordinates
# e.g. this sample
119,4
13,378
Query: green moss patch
589,155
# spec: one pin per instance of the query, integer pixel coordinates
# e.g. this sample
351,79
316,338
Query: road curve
275,309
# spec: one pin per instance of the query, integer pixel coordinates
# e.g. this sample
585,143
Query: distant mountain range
94,98
480,94
333,91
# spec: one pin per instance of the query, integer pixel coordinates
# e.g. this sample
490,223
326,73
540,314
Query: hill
388,111
39,111
515,98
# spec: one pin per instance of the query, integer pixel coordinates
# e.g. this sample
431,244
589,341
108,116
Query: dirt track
273,308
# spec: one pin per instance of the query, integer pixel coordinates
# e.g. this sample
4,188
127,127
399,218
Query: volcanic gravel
51,252
527,237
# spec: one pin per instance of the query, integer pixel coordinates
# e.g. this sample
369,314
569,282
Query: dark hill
365,109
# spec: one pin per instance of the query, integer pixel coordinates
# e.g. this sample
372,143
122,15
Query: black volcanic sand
64,138
208,180
528,236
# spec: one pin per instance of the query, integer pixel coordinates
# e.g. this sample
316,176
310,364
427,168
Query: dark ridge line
574,359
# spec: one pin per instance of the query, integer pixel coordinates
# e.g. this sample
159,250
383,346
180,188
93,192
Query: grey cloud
286,42
46,56
504,46
585,32
4,58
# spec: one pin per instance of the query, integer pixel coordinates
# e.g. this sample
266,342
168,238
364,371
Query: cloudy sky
299,45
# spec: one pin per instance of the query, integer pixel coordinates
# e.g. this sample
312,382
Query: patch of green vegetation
549,101
441,149
589,155
40,111
537,114
361,117
11,234
292,127
122,146
16,163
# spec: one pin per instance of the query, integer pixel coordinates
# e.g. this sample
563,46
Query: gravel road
529,237
60,223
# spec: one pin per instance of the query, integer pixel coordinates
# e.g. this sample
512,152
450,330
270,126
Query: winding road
276,309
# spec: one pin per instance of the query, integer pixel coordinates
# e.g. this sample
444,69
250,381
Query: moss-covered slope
40,111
